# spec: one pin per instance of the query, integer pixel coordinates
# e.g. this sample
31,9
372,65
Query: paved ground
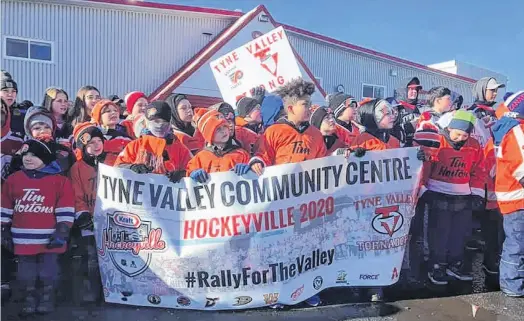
408,300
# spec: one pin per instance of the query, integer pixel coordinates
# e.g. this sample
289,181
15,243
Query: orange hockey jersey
347,136
370,142
213,161
149,150
194,143
283,143
510,171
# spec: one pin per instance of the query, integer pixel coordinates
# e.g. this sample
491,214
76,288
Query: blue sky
489,34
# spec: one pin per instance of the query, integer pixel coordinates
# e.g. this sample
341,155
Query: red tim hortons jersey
33,206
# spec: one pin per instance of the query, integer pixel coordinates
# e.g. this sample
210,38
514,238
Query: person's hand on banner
258,94
199,175
258,168
241,169
176,176
359,151
141,168
85,221
421,155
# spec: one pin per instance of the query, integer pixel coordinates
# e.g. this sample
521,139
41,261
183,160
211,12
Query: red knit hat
96,113
131,98
209,123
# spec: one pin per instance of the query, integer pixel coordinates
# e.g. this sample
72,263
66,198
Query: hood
502,127
479,89
366,116
51,169
187,127
31,112
271,109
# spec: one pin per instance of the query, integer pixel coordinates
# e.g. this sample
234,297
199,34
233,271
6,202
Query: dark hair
77,114
437,92
295,89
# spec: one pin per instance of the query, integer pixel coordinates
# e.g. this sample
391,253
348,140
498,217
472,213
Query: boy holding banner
221,152
323,119
291,139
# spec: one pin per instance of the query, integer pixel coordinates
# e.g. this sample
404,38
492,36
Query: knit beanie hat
336,102
7,83
45,150
84,132
40,118
245,105
96,113
5,74
158,110
131,99
209,123
223,108
515,103
414,83
199,112
317,116
463,120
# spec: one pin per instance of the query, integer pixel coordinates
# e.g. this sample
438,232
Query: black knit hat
46,151
414,82
158,110
6,74
83,133
245,105
318,115
336,102
6,83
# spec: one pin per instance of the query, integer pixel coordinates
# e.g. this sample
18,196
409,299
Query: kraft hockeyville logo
369,276
387,220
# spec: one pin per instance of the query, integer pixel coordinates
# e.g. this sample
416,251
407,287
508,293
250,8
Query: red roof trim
371,52
155,5
212,47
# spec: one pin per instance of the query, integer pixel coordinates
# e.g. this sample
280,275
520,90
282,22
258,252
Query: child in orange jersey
181,121
323,119
89,139
291,139
157,151
344,108
220,154
106,115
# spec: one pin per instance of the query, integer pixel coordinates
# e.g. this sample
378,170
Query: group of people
50,155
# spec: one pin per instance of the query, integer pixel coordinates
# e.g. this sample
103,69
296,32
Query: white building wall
112,47
342,66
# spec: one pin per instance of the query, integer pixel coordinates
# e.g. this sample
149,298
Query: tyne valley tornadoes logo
388,220
130,242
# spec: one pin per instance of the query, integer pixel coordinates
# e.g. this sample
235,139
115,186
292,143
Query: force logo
210,302
153,299
388,220
341,277
317,283
369,276
242,300
271,298
183,301
297,293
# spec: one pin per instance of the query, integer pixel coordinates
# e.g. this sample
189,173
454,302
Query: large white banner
266,61
245,242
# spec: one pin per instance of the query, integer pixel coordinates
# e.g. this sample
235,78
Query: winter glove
59,237
477,203
141,168
175,176
258,93
199,175
359,151
421,156
241,169
7,238
85,221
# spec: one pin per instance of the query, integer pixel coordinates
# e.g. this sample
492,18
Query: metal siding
115,50
326,61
